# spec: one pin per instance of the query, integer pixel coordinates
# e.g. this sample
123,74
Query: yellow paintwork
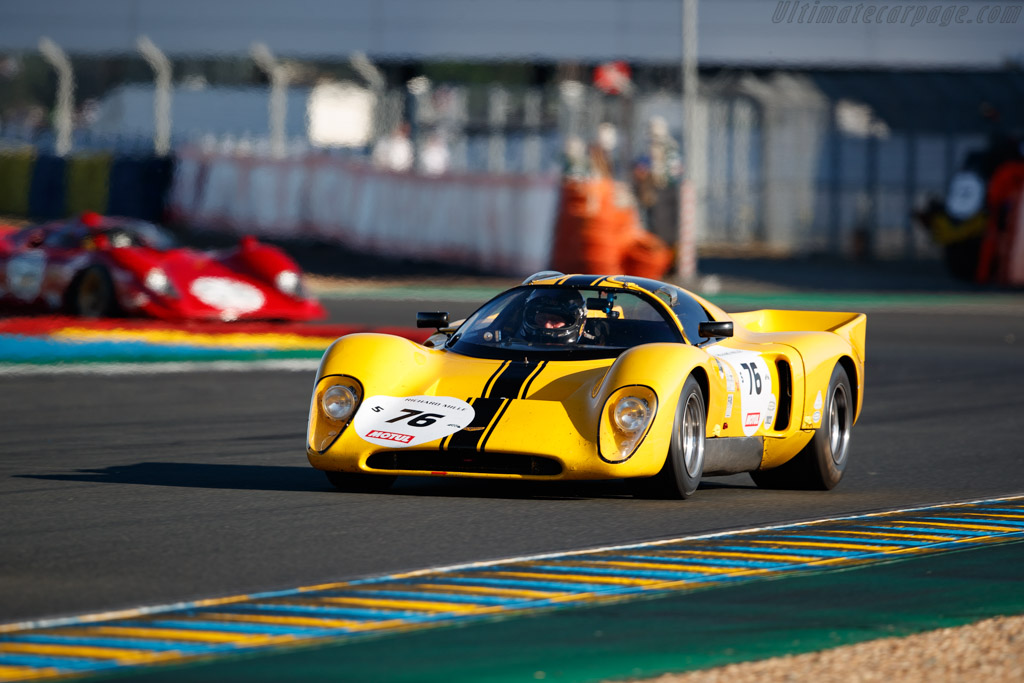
559,412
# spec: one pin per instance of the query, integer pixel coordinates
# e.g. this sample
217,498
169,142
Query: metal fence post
278,105
58,59
161,66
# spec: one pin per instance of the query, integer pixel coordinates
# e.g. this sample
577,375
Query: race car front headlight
631,414
288,282
157,281
339,402
335,401
626,417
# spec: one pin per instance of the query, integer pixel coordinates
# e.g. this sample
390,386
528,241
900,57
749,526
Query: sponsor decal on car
750,371
421,419
390,436
25,274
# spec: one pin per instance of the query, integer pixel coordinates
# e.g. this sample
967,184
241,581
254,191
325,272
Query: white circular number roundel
756,400
227,294
966,195
25,274
402,422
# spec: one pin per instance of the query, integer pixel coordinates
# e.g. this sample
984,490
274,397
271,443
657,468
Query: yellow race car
594,377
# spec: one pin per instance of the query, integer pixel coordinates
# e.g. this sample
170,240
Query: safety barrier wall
43,186
501,224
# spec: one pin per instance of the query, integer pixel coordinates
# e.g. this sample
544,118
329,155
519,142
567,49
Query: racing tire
681,473
822,462
360,483
92,294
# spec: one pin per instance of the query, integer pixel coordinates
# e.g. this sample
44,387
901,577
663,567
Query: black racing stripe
469,437
490,381
581,281
443,446
494,423
529,382
511,381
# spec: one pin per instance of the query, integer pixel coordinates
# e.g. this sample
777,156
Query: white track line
141,611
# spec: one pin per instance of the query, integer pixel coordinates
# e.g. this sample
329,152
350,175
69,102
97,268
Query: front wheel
822,462
684,465
360,483
92,295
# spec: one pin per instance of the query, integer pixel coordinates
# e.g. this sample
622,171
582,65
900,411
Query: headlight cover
338,402
631,414
335,401
288,282
625,419
157,281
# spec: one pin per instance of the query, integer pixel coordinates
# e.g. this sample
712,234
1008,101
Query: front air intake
467,463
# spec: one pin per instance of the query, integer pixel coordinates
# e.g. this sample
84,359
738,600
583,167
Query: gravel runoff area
989,650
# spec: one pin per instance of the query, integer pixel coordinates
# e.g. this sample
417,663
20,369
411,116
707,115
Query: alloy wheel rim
838,424
692,435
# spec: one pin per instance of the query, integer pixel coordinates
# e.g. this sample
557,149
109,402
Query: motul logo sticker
390,436
752,420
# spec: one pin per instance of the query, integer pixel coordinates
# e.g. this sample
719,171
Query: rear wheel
684,465
92,294
360,483
821,463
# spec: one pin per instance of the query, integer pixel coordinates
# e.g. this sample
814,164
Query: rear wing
850,326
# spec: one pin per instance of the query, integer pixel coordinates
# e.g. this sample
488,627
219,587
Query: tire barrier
47,192
15,180
599,231
1001,257
88,184
43,186
139,185
500,224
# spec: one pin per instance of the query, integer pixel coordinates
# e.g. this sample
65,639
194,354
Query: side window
59,239
691,314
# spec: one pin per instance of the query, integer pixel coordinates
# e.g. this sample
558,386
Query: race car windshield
563,322
141,234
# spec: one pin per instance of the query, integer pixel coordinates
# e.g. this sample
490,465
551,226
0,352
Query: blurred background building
821,129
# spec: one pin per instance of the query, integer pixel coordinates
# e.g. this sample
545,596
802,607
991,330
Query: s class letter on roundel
400,422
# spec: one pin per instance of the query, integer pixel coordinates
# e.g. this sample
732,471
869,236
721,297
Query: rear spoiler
850,326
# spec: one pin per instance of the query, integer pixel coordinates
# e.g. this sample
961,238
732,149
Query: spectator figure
434,156
395,152
575,165
656,175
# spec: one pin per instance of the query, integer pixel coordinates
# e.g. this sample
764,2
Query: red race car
96,266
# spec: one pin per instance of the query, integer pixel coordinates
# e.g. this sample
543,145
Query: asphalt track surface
151,489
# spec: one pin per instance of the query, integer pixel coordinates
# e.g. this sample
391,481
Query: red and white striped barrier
498,223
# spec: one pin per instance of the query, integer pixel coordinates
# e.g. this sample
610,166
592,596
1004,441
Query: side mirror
714,329
435,319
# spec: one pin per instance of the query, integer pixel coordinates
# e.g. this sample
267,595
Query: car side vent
785,407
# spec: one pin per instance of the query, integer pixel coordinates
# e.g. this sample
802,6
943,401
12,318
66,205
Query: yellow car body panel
549,419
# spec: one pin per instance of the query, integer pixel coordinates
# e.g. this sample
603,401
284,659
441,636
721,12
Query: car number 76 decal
400,422
756,399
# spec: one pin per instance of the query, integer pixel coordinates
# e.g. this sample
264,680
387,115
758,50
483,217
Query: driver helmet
554,316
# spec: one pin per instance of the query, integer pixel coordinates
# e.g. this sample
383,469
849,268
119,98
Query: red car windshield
140,235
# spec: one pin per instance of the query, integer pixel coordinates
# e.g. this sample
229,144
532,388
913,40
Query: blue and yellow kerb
343,611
